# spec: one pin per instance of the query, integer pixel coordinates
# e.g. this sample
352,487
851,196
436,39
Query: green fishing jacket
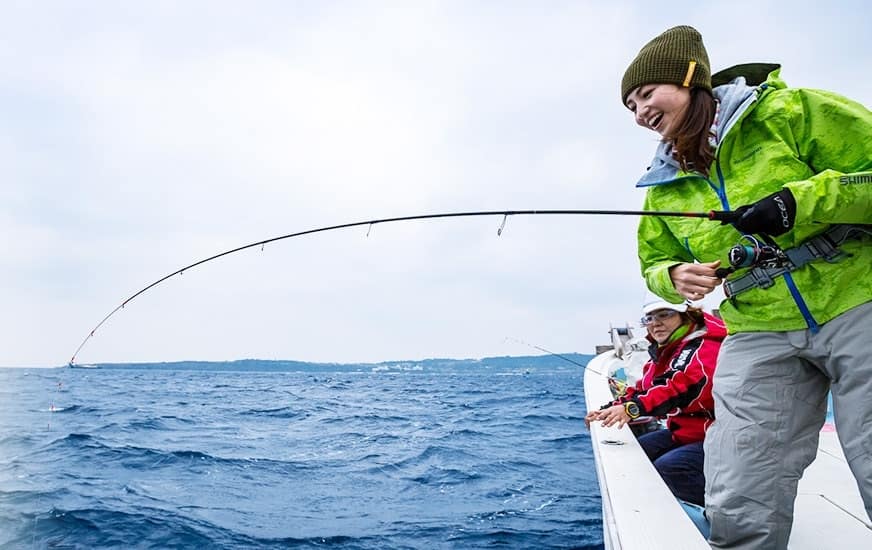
815,143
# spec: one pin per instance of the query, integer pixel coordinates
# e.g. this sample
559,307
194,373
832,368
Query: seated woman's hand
611,416
592,416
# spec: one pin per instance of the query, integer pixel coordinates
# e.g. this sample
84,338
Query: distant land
506,364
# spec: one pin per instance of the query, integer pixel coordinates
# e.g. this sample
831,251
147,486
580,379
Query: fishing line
618,385
555,355
723,217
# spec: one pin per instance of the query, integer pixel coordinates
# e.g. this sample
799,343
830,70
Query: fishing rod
716,215
586,367
619,386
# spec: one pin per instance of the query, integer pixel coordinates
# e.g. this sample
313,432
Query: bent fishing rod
716,215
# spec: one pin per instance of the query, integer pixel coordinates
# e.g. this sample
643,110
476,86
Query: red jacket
676,382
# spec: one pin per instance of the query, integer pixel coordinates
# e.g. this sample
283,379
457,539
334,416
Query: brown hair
691,140
694,315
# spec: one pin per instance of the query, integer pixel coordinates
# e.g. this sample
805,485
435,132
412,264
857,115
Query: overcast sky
139,137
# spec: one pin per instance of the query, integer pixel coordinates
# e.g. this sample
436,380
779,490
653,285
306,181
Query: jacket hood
735,90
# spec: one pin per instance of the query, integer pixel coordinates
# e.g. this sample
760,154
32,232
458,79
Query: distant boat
640,512
75,366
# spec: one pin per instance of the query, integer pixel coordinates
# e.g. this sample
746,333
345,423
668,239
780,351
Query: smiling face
663,323
659,107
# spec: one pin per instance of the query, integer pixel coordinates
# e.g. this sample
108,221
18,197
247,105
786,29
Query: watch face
632,409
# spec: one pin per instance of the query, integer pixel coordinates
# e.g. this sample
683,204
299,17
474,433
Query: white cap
660,304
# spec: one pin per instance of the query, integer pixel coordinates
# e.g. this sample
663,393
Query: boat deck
829,512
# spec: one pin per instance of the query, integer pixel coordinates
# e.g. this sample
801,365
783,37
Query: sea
432,454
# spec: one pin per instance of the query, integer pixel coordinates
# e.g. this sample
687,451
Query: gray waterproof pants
770,391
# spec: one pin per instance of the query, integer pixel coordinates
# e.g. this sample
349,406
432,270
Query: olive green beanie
677,56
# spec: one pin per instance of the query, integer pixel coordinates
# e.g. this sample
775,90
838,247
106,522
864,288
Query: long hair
691,140
694,315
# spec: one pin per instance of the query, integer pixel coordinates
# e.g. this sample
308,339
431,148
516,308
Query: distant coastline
505,364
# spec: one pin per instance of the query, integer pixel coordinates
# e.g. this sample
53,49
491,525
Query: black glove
773,215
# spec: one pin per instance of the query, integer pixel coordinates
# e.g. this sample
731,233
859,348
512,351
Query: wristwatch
632,410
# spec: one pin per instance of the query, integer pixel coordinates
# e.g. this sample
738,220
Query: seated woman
675,384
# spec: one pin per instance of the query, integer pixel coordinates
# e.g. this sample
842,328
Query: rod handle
723,216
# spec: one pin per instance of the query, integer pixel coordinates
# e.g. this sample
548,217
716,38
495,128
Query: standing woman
676,384
795,165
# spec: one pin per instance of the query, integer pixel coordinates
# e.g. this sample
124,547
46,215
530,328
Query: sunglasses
657,316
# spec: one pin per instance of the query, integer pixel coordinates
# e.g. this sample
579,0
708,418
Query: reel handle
722,272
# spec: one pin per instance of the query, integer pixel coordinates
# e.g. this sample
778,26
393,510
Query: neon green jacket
815,143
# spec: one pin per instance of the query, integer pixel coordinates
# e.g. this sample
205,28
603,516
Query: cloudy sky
138,138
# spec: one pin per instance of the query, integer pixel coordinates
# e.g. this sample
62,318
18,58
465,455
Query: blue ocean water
200,457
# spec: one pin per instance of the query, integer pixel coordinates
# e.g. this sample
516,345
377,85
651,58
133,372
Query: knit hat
677,56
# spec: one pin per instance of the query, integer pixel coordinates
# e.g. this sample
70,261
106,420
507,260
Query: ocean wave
102,528
91,447
276,412
522,538
572,439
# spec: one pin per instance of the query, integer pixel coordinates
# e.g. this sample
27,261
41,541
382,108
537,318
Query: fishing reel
752,254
